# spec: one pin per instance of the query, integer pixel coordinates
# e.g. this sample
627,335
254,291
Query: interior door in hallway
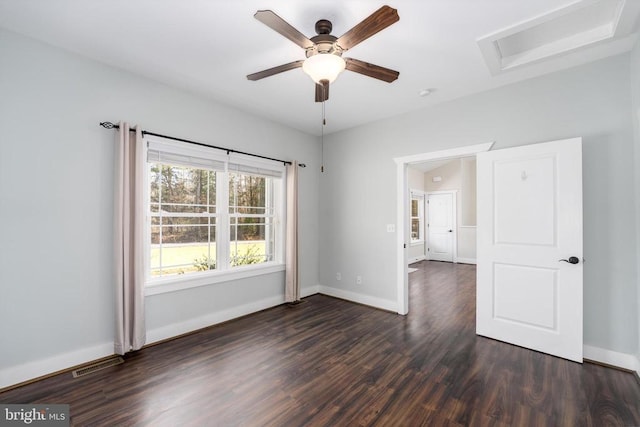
441,226
529,277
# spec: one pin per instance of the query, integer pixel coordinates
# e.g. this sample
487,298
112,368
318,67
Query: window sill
173,284
417,242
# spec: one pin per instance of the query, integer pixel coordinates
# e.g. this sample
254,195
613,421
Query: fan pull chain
324,122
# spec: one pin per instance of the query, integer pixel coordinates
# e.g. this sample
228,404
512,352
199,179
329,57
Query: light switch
391,228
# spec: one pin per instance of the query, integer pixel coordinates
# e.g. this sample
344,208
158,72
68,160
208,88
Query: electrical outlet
338,276
358,280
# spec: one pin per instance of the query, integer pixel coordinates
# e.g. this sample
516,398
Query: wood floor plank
329,362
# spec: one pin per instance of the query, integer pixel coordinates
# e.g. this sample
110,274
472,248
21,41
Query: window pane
251,227
249,252
251,241
247,194
182,232
182,189
414,207
154,186
171,257
415,229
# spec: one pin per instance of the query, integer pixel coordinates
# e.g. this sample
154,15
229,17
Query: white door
441,227
529,228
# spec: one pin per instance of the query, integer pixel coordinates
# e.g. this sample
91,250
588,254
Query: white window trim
194,280
418,194
160,285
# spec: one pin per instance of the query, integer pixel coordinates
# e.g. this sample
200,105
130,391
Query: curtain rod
109,125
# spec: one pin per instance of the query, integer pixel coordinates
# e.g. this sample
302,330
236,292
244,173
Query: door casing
403,239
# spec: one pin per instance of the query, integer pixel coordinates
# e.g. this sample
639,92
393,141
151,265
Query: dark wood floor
329,362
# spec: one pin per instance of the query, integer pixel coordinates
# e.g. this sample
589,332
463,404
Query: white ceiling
209,46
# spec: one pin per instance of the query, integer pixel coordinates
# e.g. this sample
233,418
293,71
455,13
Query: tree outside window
185,219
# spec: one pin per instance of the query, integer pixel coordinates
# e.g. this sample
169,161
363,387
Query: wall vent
89,369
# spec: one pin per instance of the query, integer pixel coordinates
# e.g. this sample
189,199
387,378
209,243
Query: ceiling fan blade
322,91
281,26
377,21
375,71
275,70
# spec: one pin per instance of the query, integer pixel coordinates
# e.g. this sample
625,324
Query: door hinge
405,246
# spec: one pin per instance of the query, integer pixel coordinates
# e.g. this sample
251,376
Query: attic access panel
579,25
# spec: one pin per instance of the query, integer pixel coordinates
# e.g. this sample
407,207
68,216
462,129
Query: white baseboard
308,291
384,304
175,329
466,260
613,358
30,370
38,368
416,259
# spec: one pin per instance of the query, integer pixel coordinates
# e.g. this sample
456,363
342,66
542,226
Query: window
251,216
210,214
182,210
417,217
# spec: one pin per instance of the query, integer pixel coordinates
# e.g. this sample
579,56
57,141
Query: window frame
160,215
420,196
223,272
270,212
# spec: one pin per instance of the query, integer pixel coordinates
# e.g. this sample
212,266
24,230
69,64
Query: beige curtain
292,285
128,241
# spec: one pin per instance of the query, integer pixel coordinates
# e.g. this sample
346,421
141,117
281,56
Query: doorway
402,217
441,226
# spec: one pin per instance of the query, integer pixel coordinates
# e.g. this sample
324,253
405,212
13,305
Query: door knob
571,260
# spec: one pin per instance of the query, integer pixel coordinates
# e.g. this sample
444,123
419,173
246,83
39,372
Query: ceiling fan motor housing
324,26
324,42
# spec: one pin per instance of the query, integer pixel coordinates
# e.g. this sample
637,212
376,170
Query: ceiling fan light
323,66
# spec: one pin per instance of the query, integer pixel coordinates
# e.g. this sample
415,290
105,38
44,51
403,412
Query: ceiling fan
324,51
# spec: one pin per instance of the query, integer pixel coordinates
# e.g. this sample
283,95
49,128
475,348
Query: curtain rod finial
108,125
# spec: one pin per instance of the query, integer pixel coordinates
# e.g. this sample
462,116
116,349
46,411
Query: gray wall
56,185
591,101
635,116
56,182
